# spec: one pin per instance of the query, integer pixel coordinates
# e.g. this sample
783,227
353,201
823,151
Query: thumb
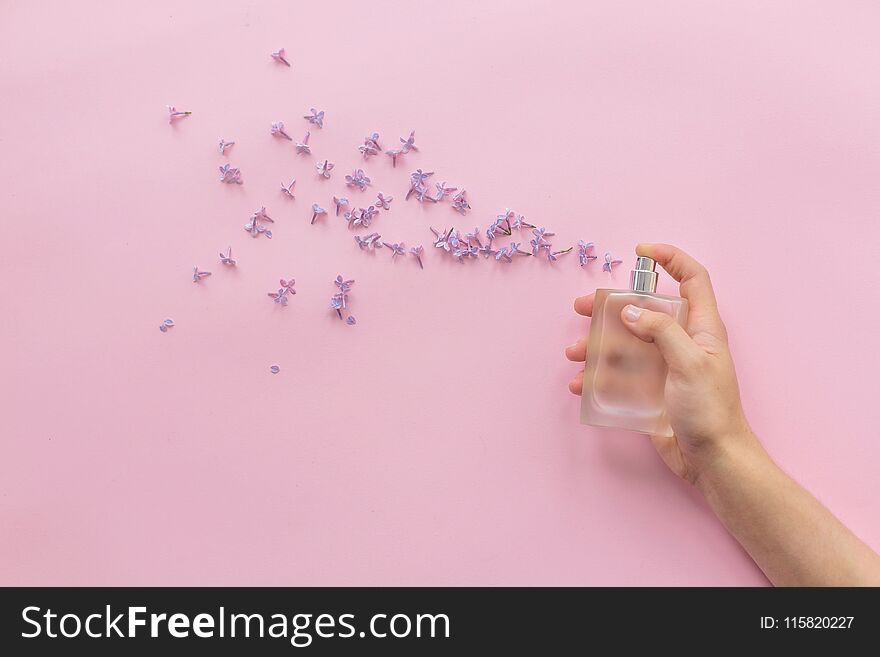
675,345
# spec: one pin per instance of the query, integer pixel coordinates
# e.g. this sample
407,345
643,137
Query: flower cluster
418,187
286,290
254,227
357,179
230,175
339,301
371,146
361,216
369,242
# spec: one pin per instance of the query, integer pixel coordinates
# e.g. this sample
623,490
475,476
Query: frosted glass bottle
624,377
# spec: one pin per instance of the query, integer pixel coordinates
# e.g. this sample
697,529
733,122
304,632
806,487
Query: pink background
435,442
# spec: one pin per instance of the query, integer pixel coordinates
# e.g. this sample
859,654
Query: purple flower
609,262
198,275
339,201
279,56
513,247
286,290
173,114
417,186
287,190
357,179
224,145
370,241
397,248
503,254
460,203
316,117
418,251
324,168
409,144
486,250
317,211
519,222
383,201
442,241
443,191
475,236
366,216
274,369
226,258
229,174
394,153
277,129
343,285
370,146
255,228
352,217
350,320
302,147
585,252
339,300
165,325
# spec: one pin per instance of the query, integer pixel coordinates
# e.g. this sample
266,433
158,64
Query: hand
702,394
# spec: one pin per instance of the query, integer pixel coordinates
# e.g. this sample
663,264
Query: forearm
793,538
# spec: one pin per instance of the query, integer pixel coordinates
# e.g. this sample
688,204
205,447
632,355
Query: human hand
702,394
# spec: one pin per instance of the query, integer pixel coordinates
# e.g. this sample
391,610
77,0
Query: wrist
731,458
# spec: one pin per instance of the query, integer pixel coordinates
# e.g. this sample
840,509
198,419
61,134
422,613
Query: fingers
695,284
584,305
578,351
677,348
576,385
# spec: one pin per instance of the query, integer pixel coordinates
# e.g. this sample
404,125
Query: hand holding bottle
790,535
701,392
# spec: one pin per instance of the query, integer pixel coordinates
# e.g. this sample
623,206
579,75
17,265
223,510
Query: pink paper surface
435,442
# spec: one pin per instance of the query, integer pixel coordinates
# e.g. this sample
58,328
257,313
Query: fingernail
571,346
632,313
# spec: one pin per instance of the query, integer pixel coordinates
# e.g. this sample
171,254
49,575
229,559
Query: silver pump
643,278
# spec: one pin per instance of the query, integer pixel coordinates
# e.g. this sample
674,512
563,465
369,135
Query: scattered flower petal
277,129
224,145
173,114
324,168
280,57
316,117
302,147
226,258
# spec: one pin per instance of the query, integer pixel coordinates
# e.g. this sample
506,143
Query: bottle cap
643,278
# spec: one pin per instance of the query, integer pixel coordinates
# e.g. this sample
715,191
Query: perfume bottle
624,377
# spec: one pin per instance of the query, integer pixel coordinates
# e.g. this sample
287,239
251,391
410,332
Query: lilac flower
274,369
229,174
224,145
540,241
443,191
442,241
554,256
302,147
474,236
370,146
366,216
287,190
350,320
339,201
585,252
513,247
609,262
173,114
357,179
370,241
279,56
460,203
286,290
277,129
417,186
316,117
198,275
324,168
383,201
394,153
519,222
397,248
486,250
503,254
343,285
418,251
226,258
409,144
255,228
165,325
339,300
352,217
317,211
